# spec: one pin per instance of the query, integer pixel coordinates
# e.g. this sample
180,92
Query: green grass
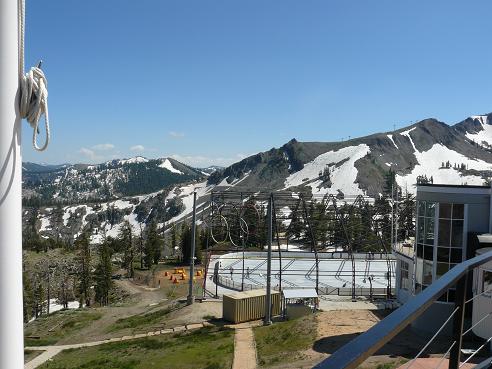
207,348
140,321
54,327
284,341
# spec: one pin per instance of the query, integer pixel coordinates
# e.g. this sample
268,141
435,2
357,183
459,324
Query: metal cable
476,352
433,337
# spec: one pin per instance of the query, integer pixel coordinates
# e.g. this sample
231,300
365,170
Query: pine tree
389,183
126,246
153,246
406,219
28,298
174,239
39,302
185,244
84,272
102,275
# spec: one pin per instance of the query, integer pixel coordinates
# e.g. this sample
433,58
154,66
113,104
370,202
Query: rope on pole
33,89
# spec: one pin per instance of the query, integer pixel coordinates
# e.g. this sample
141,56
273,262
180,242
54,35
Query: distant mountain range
71,198
79,183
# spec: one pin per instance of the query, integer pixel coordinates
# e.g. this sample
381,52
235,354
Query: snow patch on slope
393,141
342,177
186,196
432,166
407,133
166,164
484,137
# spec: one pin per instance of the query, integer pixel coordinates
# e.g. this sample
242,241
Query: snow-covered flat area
299,271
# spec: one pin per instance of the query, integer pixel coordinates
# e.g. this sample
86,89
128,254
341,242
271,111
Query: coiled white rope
33,90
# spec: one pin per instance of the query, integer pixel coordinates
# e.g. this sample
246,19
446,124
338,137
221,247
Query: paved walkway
244,348
51,351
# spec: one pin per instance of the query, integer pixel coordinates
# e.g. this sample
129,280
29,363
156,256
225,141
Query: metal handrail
356,351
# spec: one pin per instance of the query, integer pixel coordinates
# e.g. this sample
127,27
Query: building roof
251,293
302,293
450,185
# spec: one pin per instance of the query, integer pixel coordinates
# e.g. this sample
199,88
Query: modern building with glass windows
450,222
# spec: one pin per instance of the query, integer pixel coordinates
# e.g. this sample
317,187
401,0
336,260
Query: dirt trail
244,349
142,299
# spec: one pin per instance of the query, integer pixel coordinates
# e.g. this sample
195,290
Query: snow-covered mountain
62,201
81,183
457,154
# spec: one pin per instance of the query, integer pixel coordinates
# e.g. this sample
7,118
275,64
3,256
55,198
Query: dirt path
142,300
244,349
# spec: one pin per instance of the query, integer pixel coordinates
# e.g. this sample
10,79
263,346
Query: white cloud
103,147
176,134
89,154
138,148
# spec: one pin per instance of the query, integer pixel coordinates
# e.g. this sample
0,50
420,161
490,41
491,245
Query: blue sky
210,82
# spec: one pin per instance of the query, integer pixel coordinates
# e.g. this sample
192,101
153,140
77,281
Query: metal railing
322,291
358,350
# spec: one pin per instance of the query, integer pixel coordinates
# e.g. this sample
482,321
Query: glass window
486,280
443,254
457,233
420,250
428,252
429,231
444,210
458,211
421,229
427,273
444,232
421,206
404,275
430,209
442,268
456,255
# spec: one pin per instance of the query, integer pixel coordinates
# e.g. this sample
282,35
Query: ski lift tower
11,316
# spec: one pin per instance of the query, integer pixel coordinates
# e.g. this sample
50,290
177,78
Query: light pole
268,299
11,322
191,298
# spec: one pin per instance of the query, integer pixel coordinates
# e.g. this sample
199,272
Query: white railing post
11,322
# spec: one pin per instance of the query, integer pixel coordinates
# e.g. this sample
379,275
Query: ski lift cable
33,89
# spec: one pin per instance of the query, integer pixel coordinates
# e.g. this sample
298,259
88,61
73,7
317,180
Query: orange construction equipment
175,281
183,277
198,273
